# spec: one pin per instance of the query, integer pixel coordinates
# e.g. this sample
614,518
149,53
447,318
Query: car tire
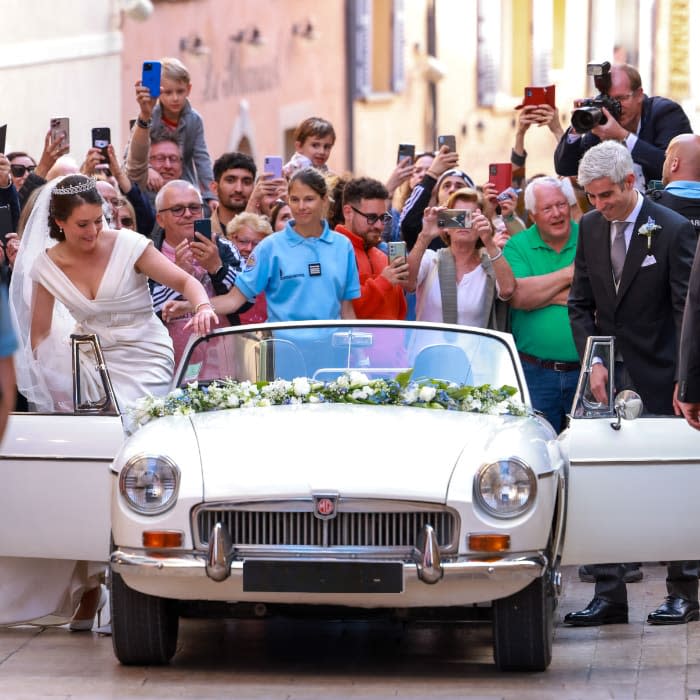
523,627
144,627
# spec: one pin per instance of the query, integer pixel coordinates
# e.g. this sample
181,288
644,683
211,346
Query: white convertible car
347,467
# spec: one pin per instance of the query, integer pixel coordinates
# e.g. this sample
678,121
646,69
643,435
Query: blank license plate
322,577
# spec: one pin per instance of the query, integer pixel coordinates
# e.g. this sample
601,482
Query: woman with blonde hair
245,231
466,281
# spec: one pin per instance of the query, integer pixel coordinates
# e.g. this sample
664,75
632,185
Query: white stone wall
60,59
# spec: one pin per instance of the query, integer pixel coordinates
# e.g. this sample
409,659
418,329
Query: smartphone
406,150
5,222
203,226
397,249
60,129
3,137
538,96
273,164
501,175
448,141
101,139
455,218
655,185
150,77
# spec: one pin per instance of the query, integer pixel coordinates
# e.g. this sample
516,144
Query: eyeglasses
163,159
179,209
372,219
20,170
623,98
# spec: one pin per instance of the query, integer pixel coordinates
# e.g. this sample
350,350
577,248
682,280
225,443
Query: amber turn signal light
158,539
489,542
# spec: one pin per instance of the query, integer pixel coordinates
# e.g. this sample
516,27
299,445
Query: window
378,46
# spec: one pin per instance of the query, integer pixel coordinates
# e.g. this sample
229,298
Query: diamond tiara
86,186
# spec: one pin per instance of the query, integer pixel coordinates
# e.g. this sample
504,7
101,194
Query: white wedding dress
139,357
136,346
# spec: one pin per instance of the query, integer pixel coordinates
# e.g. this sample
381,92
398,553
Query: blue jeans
551,392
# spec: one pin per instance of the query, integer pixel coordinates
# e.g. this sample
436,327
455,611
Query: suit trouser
681,581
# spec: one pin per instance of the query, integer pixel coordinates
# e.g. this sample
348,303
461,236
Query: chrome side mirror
628,405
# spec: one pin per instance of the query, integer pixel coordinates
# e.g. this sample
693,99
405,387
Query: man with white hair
630,281
542,260
214,262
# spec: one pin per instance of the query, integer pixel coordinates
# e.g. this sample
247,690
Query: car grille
359,528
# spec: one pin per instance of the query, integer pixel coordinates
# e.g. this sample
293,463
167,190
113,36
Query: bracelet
144,125
203,303
517,159
497,256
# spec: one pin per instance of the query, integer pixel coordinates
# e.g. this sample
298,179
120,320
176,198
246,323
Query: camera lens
586,118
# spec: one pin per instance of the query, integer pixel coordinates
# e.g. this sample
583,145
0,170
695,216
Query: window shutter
362,69
398,75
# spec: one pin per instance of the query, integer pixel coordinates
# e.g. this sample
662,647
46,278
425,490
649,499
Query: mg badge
325,507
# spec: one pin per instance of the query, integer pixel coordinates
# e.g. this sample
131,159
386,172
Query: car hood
354,450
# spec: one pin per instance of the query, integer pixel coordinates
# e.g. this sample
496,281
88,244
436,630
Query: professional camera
590,113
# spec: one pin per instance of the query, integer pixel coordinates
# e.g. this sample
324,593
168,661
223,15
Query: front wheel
523,627
144,627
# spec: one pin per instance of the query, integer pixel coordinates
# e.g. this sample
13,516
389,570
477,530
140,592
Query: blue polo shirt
304,279
8,342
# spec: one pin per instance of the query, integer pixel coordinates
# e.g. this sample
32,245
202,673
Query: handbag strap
447,275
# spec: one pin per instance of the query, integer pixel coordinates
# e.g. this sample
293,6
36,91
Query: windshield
325,352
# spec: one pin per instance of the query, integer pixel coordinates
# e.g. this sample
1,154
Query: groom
630,281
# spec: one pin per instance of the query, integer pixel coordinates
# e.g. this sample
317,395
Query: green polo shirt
544,333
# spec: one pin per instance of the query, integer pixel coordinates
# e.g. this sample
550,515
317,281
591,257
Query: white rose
426,393
301,386
358,379
411,395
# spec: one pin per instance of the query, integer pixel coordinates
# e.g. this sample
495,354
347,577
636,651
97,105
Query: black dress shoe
598,612
674,611
586,574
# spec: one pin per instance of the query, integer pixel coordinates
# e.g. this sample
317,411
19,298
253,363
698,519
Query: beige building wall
253,78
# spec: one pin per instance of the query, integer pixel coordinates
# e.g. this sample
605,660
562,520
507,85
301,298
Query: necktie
618,250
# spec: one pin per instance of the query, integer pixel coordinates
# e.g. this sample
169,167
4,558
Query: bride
72,274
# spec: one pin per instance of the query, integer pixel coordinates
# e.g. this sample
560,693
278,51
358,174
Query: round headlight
149,484
506,488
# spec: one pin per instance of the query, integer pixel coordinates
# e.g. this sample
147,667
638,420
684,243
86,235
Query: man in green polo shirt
542,260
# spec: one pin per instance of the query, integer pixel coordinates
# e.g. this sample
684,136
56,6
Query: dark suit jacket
662,119
689,354
645,315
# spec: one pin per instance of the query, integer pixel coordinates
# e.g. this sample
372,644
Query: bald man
681,178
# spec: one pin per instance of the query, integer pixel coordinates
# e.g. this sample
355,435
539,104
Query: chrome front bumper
221,562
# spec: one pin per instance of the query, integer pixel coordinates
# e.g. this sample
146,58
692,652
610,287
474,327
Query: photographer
645,125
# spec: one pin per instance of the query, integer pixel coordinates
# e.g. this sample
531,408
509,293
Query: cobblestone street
298,660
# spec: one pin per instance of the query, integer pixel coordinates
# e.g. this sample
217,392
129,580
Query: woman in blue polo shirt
307,271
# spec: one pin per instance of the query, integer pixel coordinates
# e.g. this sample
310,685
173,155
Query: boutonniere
648,230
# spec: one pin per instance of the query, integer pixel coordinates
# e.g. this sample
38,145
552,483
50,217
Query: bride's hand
173,309
201,323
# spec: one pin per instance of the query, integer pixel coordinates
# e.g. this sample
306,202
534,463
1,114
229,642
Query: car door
632,485
56,485
55,478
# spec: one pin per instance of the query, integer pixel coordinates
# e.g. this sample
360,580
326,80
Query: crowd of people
111,247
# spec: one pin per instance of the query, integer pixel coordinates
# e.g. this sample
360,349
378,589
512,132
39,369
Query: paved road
301,660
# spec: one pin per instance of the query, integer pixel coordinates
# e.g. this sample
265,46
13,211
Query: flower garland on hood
351,387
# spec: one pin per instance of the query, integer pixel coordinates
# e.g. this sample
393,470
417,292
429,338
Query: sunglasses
373,218
20,170
126,222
